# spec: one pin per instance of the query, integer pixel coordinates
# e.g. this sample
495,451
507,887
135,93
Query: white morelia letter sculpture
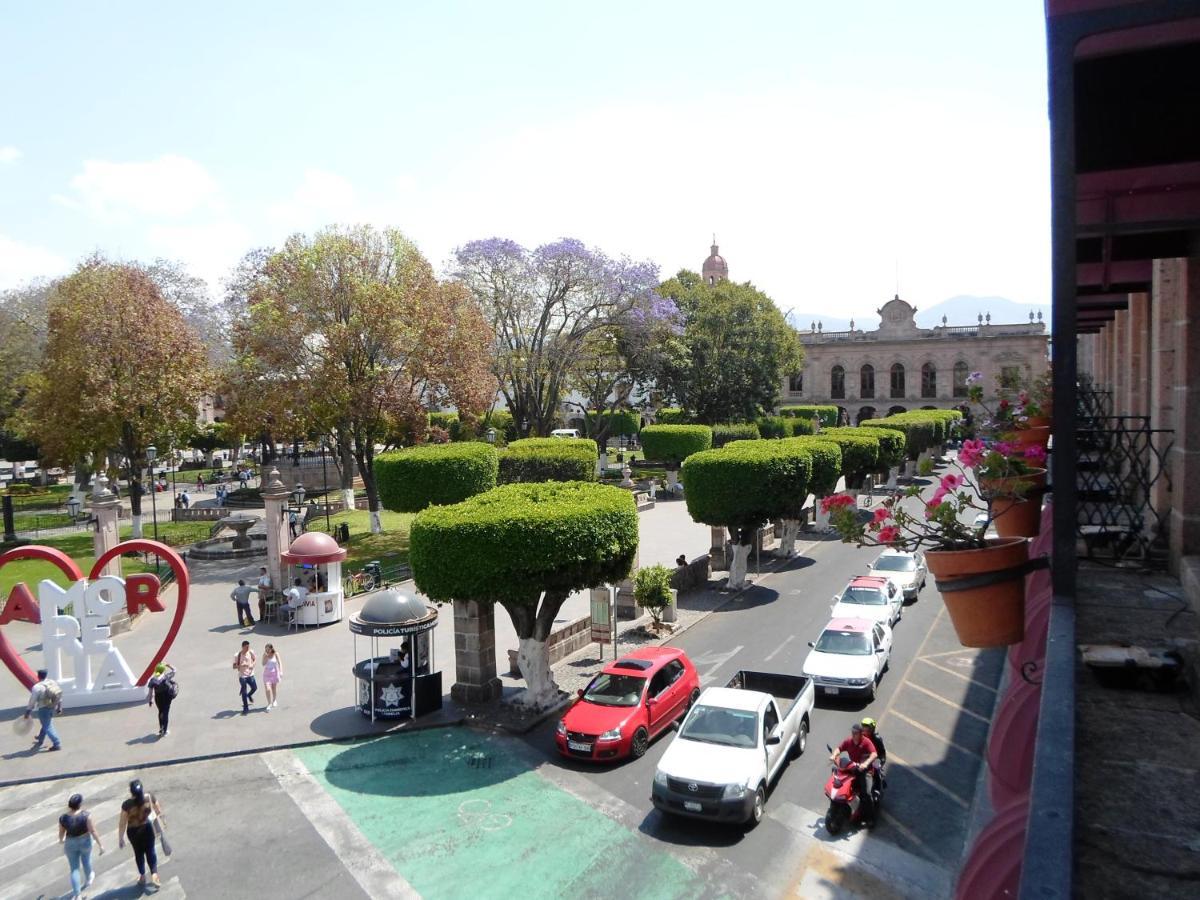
99,673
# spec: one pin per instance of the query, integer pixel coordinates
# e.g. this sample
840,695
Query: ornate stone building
900,366
715,268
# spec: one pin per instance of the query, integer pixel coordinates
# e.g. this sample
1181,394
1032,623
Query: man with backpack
45,698
163,690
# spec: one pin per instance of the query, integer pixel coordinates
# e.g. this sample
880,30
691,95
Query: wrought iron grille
1124,486
1093,401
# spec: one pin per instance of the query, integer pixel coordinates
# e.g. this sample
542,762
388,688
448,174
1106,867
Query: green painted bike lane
459,813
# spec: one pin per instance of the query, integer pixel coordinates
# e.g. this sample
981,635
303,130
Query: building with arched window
840,367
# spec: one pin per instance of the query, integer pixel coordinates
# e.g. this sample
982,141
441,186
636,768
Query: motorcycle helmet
868,722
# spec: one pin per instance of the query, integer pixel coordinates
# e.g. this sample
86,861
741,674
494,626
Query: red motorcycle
845,804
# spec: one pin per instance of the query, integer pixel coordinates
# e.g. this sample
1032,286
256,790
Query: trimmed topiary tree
672,444
724,434
515,542
548,459
826,415
773,427
860,452
742,487
671,415
410,480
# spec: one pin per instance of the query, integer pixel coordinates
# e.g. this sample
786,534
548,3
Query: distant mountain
961,310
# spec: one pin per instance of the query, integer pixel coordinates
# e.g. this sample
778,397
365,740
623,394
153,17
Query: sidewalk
317,693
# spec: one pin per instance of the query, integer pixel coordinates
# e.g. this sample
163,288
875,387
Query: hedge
621,422
826,462
410,480
891,447
744,485
860,450
671,415
672,444
827,415
548,459
517,540
922,428
724,434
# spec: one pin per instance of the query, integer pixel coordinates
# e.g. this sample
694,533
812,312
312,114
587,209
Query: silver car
905,570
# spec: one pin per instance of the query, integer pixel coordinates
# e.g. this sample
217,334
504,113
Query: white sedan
869,597
849,657
905,570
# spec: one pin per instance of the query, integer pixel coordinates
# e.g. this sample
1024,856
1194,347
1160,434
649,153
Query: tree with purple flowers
553,309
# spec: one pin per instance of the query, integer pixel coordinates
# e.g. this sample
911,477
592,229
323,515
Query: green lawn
390,547
40,519
49,498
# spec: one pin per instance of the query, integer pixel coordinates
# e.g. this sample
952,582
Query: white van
565,432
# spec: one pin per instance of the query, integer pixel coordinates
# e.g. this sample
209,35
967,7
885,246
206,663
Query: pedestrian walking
45,699
266,589
163,691
76,831
137,824
244,662
292,523
272,675
199,484
241,596
185,501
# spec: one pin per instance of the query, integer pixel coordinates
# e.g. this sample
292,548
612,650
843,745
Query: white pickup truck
733,743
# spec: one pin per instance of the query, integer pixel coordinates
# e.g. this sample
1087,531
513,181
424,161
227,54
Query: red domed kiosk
316,559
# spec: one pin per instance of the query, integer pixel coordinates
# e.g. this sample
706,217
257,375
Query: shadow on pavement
690,832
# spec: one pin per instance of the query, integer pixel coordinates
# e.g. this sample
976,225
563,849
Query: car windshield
852,643
615,690
895,564
729,727
864,596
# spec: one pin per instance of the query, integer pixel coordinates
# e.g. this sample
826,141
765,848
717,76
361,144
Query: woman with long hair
272,675
137,824
76,830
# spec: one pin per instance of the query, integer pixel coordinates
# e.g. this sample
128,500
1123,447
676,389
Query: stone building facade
901,366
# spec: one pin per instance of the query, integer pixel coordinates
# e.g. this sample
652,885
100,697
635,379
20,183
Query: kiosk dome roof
393,608
314,547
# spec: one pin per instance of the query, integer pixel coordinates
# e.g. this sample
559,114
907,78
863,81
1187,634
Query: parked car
732,745
849,657
907,571
869,597
565,433
631,701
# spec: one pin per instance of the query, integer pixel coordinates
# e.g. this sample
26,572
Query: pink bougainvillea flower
889,534
1006,448
952,482
837,500
1035,453
881,515
971,453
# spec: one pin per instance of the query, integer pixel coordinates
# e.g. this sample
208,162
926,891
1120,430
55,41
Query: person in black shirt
869,729
136,825
76,832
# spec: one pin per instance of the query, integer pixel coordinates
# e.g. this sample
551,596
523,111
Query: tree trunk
672,479
893,474
739,565
822,520
346,470
787,541
533,656
135,504
365,457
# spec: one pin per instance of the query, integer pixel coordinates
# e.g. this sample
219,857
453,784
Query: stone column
475,653
1120,374
1136,352
275,498
1164,315
1185,455
716,553
105,508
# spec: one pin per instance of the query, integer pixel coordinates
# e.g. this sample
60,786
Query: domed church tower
715,268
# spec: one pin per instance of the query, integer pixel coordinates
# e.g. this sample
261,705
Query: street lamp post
73,507
298,496
151,455
325,481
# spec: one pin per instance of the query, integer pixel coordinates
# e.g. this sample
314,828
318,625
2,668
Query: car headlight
613,734
735,791
562,727
859,682
660,778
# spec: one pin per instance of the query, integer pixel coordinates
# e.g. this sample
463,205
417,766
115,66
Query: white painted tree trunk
376,522
602,464
893,474
739,565
348,498
787,541
137,526
533,658
672,479
822,519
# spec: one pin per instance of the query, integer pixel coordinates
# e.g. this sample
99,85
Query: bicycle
359,583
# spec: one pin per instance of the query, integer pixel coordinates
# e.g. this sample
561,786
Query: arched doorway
867,412
896,409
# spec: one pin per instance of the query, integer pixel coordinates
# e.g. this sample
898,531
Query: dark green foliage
548,459
502,421
724,434
799,427
621,422
652,589
773,427
518,540
892,443
671,415
744,485
672,444
827,415
410,480
922,428
860,450
826,462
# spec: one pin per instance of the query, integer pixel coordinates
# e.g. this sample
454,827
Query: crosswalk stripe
53,878
47,836
17,796
56,803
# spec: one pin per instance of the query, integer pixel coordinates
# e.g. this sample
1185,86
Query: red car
630,702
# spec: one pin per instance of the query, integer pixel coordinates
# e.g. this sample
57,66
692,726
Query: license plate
692,806
830,690
582,748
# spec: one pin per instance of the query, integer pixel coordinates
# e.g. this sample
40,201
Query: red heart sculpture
20,668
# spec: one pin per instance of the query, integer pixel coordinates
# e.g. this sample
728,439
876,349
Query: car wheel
641,740
871,691
801,741
692,699
756,811
835,818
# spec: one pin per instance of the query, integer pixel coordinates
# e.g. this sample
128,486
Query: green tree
738,347
354,327
526,547
417,477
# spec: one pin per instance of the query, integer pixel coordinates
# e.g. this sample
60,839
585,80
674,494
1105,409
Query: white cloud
21,262
322,198
9,154
170,186
209,250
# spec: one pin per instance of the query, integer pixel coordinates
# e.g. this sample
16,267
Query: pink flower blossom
1035,453
971,453
881,515
1006,448
837,500
889,534
952,482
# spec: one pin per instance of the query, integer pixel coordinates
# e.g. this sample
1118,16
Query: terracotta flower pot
1028,437
984,615
1016,503
1038,421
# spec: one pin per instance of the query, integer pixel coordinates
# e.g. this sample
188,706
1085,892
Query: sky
838,151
